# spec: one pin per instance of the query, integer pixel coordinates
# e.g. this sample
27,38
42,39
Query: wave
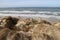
17,12
31,12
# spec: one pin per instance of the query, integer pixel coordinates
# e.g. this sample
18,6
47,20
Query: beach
30,23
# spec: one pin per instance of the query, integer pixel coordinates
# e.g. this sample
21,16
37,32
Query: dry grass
27,29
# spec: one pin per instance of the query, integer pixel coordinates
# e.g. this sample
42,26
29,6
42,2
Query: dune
13,28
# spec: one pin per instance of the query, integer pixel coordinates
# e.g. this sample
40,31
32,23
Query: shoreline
50,18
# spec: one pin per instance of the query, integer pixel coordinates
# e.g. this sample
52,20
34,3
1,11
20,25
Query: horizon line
12,7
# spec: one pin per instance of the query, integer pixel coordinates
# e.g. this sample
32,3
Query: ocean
31,11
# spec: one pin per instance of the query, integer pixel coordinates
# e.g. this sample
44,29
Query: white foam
29,15
27,12
30,12
17,12
44,12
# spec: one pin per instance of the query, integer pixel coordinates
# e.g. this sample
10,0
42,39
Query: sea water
31,11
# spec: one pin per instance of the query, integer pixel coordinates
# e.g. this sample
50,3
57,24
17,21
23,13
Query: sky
29,3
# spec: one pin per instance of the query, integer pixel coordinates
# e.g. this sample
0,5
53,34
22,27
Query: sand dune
14,28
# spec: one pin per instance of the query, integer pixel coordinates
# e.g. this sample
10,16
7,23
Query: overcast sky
29,3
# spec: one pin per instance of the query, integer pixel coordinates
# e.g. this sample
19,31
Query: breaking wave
31,12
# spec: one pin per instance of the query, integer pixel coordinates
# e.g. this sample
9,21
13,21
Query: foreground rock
27,29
